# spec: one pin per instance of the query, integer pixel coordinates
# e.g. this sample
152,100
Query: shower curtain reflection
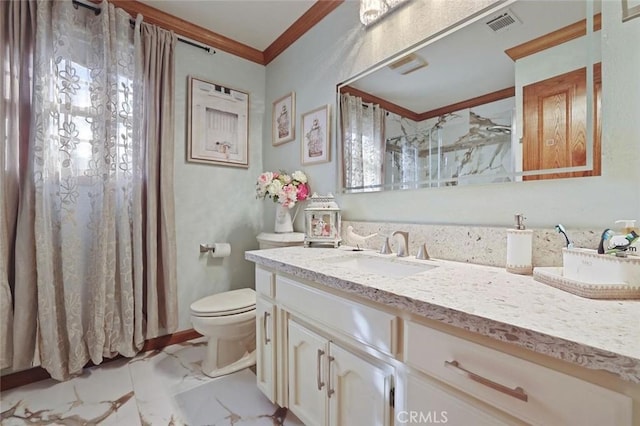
362,126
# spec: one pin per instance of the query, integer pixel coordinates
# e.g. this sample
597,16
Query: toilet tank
268,240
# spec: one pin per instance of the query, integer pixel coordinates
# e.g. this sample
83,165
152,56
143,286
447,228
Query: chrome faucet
403,251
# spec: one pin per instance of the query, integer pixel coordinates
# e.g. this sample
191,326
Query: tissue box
587,266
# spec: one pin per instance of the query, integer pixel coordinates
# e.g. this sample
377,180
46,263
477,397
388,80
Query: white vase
284,223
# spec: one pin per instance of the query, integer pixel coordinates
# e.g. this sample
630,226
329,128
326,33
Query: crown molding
412,115
552,39
311,17
187,29
307,21
388,106
469,103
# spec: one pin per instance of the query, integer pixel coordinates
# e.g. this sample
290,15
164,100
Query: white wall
339,48
215,203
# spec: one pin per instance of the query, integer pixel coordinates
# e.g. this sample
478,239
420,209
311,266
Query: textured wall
215,203
339,47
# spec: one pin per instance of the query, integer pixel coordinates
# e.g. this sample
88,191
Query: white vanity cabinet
428,402
266,336
530,392
329,385
335,361
265,349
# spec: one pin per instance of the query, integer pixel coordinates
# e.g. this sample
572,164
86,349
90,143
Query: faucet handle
386,249
422,253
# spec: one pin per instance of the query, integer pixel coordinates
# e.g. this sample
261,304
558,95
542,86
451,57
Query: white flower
286,179
299,176
274,187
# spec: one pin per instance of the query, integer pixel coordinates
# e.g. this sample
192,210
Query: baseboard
36,374
170,339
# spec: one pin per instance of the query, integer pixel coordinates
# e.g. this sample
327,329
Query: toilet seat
232,302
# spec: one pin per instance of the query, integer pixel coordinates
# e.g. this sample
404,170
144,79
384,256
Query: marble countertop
596,334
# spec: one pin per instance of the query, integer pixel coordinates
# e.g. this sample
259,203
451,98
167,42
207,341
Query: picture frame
283,119
630,9
316,134
217,124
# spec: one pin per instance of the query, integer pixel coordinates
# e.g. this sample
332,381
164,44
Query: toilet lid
226,303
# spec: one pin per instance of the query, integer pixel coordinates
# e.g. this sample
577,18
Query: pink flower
265,178
303,192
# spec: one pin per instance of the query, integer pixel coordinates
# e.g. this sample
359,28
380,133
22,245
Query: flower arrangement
284,188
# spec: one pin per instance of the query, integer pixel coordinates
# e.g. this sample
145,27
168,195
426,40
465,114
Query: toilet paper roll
519,251
221,250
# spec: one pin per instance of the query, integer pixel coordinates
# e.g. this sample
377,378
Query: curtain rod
97,10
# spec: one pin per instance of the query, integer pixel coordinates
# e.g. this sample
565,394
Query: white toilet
228,321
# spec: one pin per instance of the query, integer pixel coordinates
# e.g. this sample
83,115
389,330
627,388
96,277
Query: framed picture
630,9
314,144
284,119
217,124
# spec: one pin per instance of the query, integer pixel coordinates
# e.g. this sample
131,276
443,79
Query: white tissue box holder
586,265
596,276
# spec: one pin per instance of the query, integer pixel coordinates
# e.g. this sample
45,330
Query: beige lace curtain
93,245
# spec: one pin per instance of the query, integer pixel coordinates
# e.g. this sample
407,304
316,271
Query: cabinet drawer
533,393
367,325
428,403
265,283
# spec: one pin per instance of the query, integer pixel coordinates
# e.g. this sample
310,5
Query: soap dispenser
519,248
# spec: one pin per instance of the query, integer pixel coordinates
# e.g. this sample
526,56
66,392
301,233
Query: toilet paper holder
204,248
216,249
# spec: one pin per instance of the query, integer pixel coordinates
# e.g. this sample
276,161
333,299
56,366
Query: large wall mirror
510,95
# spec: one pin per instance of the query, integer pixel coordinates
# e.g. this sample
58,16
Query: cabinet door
265,347
429,403
308,353
358,391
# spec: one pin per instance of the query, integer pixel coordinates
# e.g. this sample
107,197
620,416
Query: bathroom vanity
359,338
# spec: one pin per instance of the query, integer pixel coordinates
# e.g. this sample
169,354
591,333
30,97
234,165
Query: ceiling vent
408,64
503,21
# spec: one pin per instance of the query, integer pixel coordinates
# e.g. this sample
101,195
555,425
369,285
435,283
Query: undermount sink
389,267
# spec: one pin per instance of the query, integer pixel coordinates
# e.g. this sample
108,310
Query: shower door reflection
470,146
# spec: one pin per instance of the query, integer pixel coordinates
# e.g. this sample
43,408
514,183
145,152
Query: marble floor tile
165,388
177,368
230,400
101,395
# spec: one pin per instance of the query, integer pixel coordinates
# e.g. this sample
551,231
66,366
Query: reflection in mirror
511,95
